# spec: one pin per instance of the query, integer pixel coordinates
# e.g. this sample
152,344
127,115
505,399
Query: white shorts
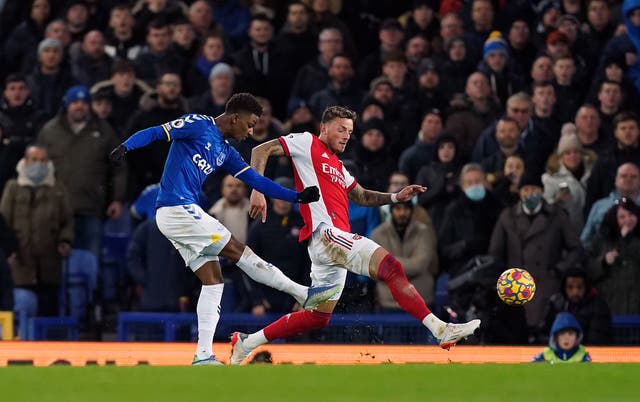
334,251
196,235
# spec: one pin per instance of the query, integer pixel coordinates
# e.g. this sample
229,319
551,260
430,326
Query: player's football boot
319,294
453,333
209,361
238,351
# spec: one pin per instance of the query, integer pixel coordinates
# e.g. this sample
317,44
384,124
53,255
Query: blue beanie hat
495,43
76,93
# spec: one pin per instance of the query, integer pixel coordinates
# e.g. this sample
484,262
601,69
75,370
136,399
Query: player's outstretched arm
274,190
140,139
369,198
259,157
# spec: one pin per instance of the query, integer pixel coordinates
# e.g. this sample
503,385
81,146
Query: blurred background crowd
519,116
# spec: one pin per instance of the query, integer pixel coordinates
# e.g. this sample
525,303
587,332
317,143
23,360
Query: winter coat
418,254
82,163
48,90
466,123
441,181
545,246
122,107
553,353
42,218
618,282
577,187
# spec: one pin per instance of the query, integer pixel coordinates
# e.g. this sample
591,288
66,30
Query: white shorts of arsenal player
334,251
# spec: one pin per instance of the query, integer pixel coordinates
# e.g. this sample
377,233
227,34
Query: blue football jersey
197,150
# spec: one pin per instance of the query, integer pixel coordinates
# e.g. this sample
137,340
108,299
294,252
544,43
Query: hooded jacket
553,353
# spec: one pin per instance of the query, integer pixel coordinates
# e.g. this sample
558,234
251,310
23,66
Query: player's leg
383,266
208,310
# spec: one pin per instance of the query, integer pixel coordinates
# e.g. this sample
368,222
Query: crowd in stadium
520,117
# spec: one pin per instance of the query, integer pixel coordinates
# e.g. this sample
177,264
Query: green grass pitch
308,383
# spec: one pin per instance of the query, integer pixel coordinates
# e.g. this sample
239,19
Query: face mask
532,201
36,172
476,192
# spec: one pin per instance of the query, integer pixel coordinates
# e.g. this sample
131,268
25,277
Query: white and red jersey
315,165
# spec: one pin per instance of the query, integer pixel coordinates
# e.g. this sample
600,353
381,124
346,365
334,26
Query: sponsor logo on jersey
335,174
202,164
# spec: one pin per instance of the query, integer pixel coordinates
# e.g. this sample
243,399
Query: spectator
565,342
468,221
416,49
587,124
283,223
20,121
212,102
541,70
201,19
568,171
232,210
536,144
431,94
300,118
165,104
372,156
505,183
482,16
472,113
341,90
121,42
523,51
295,37
79,145
599,27
27,34
58,30
615,262
610,100
264,70
549,13
579,298
627,184
394,67
416,246
557,45
423,150
539,237
422,20
49,79
234,18
89,62
456,68
569,92
397,181
626,132
569,25
440,177
184,41
157,56
324,14
125,92
495,58
391,35
36,200
314,76
199,74
76,14
508,137
145,12
544,114
101,106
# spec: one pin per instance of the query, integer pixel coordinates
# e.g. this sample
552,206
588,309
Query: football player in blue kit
198,148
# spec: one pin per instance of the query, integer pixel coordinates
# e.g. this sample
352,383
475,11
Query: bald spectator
626,149
89,62
471,113
627,184
587,123
314,75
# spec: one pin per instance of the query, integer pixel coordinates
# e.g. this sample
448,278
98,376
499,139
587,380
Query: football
516,286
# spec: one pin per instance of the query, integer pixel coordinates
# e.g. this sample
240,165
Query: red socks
296,323
390,271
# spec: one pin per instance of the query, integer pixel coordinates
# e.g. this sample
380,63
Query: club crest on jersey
220,159
202,164
335,174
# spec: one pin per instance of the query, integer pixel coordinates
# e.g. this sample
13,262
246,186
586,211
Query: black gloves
118,153
309,194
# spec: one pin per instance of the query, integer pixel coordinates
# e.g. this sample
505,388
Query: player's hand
118,153
309,194
410,191
257,205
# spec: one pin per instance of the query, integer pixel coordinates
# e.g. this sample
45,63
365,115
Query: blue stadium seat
53,328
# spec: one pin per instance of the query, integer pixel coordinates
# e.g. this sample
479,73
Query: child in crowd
564,342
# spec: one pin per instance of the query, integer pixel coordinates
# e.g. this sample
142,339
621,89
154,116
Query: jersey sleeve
233,163
187,126
349,181
296,144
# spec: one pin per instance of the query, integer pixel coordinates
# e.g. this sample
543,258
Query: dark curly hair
609,229
243,103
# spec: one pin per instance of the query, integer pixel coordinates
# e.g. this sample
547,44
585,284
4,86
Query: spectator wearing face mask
37,208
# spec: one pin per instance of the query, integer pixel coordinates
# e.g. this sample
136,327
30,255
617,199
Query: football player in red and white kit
333,250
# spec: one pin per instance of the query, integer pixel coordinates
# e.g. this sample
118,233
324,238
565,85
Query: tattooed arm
369,198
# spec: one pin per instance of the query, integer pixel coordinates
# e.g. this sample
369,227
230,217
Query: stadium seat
53,328
81,277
